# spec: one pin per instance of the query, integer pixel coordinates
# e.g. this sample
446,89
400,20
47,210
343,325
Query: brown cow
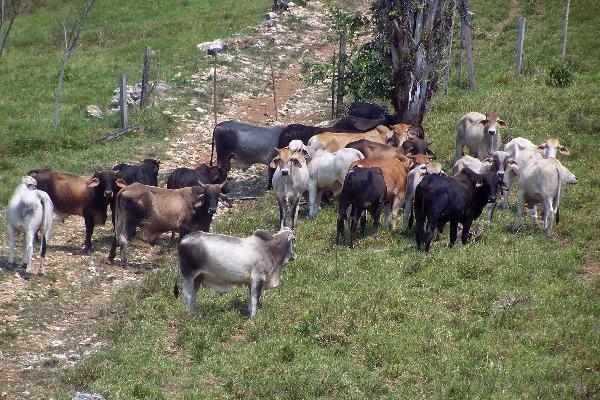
80,195
332,142
156,210
394,173
375,151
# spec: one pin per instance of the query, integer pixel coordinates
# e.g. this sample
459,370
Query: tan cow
332,142
480,133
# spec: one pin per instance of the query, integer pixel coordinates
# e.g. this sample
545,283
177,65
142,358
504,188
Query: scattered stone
271,15
94,111
87,396
215,46
200,110
161,87
291,4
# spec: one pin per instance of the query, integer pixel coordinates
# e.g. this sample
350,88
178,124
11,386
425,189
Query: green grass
112,43
505,317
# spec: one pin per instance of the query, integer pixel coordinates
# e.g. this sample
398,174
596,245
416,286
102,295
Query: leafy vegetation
559,75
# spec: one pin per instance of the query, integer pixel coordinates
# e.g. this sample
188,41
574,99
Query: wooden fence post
212,144
333,85
145,76
341,84
565,23
123,99
520,39
273,87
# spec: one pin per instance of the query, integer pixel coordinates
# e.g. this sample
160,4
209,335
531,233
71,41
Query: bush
559,75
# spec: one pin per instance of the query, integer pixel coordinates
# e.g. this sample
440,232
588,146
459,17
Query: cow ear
542,146
225,200
501,122
431,154
199,201
93,182
121,183
483,122
563,150
222,185
479,183
274,162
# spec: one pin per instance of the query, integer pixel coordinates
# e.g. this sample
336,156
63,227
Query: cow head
212,194
501,163
420,159
286,160
152,165
492,123
298,146
551,146
29,182
106,183
288,235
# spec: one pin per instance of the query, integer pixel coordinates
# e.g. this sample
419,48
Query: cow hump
263,234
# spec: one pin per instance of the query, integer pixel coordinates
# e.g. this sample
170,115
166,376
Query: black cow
364,189
145,172
204,173
364,109
459,198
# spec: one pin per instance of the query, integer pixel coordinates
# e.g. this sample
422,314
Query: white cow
414,177
524,152
480,133
221,262
543,181
29,211
327,172
290,181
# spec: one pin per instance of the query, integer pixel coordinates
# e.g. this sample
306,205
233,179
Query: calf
88,197
157,210
327,172
459,198
480,133
414,177
221,262
29,211
543,181
248,144
290,181
204,173
364,189
145,172
364,109
394,173
417,146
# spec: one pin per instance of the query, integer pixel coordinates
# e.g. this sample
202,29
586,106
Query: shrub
559,75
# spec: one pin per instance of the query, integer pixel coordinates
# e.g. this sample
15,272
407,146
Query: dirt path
47,323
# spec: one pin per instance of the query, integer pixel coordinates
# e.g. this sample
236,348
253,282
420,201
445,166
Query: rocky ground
48,323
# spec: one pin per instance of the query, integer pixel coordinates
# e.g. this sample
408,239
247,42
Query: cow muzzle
108,194
285,172
492,132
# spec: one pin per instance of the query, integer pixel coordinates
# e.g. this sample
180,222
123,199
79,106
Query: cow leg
28,250
363,223
548,216
453,232
520,206
465,232
256,286
353,224
270,179
89,230
376,216
387,211
189,293
294,211
431,228
340,230
282,216
312,200
395,210
43,252
510,178
459,149
11,243
408,200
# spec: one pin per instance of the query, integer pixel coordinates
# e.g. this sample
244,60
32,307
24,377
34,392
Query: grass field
508,316
112,43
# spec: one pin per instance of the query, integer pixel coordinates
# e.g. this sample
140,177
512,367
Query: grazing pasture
510,315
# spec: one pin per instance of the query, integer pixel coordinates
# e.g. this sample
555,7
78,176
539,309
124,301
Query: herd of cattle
368,160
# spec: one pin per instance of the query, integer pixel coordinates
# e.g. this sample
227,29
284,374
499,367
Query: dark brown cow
157,210
80,195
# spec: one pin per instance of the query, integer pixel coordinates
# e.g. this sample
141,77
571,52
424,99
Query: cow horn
222,185
202,185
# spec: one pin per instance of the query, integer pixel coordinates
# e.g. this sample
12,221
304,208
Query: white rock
94,111
217,45
200,110
87,396
271,15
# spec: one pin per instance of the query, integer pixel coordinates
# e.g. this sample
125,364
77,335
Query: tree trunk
565,23
59,88
341,84
466,32
449,62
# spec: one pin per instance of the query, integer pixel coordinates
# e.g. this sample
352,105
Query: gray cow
221,262
480,133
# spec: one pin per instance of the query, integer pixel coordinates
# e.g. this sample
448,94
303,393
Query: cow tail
47,211
177,273
556,200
